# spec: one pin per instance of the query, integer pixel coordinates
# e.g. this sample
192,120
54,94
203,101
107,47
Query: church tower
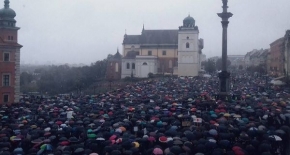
9,56
189,48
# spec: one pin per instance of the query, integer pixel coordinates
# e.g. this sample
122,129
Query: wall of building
277,58
17,76
4,33
188,58
9,68
188,70
114,69
192,40
170,52
287,53
130,47
145,65
127,72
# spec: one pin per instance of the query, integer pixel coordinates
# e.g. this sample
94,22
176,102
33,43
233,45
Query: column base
224,77
224,96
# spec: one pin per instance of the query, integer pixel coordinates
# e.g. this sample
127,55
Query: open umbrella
275,138
213,132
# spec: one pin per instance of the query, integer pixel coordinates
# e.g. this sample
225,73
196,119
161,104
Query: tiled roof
131,39
153,37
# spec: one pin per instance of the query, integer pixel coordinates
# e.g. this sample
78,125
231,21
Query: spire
125,35
117,49
143,29
6,3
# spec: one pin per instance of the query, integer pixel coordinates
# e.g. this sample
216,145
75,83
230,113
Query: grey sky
84,31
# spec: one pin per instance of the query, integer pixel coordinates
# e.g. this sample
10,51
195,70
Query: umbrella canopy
275,138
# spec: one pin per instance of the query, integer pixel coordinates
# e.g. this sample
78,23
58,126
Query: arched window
187,37
187,45
170,63
133,65
128,65
144,63
117,67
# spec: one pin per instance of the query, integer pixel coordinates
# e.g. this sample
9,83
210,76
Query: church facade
174,52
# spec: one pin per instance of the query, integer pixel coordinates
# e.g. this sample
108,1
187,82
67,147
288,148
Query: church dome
6,12
188,22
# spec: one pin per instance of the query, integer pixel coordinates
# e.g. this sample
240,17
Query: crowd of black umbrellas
168,116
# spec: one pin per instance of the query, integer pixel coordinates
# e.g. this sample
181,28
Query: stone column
224,75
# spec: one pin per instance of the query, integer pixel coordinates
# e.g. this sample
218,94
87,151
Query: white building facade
189,48
145,65
175,52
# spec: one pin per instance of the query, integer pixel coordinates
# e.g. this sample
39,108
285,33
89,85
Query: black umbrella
225,144
73,140
79,150
176,149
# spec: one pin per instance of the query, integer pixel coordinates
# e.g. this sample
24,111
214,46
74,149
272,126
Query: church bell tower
189,48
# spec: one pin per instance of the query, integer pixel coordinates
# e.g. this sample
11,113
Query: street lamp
224,74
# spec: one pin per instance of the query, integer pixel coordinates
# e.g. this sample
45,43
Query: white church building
175,52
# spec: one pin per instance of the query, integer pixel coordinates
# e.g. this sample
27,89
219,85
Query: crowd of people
167,116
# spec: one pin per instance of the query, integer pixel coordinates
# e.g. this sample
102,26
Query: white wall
188,58
127,72
143,70
193,40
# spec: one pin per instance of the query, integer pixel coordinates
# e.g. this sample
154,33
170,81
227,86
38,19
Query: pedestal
224,77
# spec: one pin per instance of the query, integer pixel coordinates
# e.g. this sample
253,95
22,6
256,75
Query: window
6,57
144,63
149,52
117,67
187,45
133,65
163,52
5,98
128,66
132,48
6,80
187,38
10,37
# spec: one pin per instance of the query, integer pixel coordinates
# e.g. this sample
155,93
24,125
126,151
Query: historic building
175,52
287,53
114,67
237,60
276,63
9,56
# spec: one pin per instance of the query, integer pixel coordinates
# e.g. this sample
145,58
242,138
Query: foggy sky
84,31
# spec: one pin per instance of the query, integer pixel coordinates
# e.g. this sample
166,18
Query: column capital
225,15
